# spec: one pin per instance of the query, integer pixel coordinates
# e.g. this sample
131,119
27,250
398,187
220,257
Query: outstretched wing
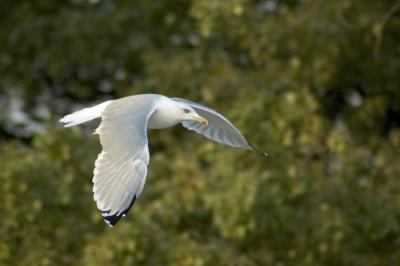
219,128
121,168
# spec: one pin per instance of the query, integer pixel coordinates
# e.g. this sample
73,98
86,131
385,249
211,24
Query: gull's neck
167,114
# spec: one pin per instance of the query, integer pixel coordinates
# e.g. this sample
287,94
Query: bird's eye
186,111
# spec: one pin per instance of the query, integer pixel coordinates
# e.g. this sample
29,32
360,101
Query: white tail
84,115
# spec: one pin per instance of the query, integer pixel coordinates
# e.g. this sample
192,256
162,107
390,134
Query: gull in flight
121,167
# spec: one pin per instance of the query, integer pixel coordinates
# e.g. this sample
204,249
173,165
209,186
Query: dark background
313,83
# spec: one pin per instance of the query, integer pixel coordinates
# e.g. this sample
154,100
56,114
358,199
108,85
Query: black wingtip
112,220
264,154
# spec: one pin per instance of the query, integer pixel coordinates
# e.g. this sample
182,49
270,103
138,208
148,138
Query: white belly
161,120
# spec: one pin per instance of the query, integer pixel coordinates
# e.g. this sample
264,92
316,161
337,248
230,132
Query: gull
121,167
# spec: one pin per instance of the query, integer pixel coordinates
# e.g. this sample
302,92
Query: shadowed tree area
315,84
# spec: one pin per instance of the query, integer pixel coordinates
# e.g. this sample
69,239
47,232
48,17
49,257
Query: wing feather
219,128
121,168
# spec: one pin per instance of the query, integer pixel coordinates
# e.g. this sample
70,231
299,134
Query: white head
170,112
185,113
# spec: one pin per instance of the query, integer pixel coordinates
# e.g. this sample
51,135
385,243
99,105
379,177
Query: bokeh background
316,84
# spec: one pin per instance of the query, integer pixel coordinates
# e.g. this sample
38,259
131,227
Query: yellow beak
201,120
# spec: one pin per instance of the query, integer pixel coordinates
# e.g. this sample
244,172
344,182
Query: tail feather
84,115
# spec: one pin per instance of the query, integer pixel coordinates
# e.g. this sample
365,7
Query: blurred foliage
313,83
